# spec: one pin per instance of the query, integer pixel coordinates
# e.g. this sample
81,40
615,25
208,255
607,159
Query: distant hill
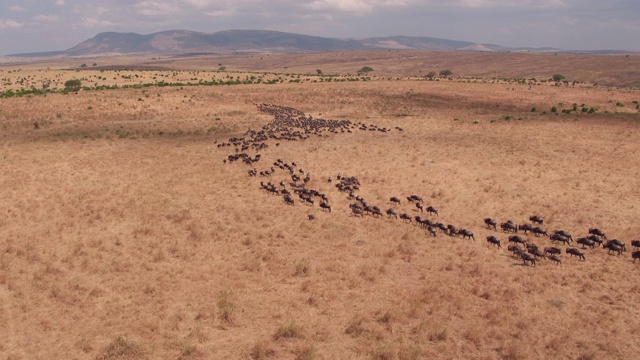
258,41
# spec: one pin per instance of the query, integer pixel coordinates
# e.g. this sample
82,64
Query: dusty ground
124,236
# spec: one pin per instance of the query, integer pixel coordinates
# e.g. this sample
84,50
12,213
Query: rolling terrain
125,234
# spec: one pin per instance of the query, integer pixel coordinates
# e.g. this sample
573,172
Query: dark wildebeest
415,198
405,217
525,227
558,237
535,252
528,257
618,243
613,247
467,234
493,241
509,226
288,199
392,212
419,207
441,227
432,210
395,200
537,231
564,233
452,230
518,240
515,250
575,252
555,259
432,230
490,223
536,219
635,244
552,250
586,242
325,206
635,255
598,232
596,239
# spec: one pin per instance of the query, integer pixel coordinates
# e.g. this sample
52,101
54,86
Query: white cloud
16,8
46,18
503,3
156,8
354,6
60,3
94,22
9,24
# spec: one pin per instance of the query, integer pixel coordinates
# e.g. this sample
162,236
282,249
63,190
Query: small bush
554,109
303,267
288,331
261,351
226,305
558,77
120,348
440,335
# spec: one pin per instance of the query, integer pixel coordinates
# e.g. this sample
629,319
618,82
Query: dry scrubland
124,236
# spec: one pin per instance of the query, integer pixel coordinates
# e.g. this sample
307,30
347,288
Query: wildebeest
404,216
536,252
586,242
555,259
528,257
432,210
467,234
415,198
391,212
509,226
490,223
635,255
575,252
419,207
564,233
515,250
635,244
618,243
595,238
598,232
525,227
558,237
288,200
493,241
395,200
518,240
452,230
325,206
537,231
432,230
552,250
613,247
536,219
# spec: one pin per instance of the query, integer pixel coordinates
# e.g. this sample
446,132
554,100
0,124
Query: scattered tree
445,73
364,70
72,85
431,75
319,72
558,77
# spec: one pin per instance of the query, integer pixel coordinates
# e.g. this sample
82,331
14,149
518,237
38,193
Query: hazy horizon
55,25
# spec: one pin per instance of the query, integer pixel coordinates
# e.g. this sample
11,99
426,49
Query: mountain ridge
174,42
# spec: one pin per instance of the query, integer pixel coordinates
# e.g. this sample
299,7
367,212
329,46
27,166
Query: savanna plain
125,235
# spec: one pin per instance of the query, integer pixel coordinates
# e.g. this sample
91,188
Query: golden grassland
124,236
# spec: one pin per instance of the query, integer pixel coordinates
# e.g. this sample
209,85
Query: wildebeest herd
293,125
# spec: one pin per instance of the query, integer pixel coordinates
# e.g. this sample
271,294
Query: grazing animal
515,250
452,230
490,223
586,242
419,207
536,252
441,227
536,219
613,247
325,206
564,233
552,250
575,252
405,217
509,226
525,227
395,200
598,232
288,200
595,238
432,230
537,231
518,240
558,237
391,212
555,259
528,257
635,255
618,243
311,217
432,210
635,244
493,241
467,234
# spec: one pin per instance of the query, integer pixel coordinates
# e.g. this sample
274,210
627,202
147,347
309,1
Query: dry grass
143,231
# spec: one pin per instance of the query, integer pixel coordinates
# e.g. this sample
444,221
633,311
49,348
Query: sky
50,25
